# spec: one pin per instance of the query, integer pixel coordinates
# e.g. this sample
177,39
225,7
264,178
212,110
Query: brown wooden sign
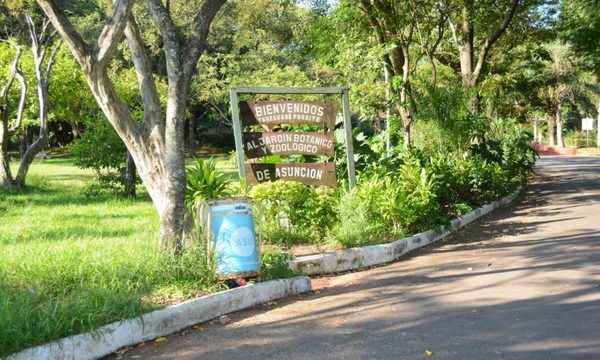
287,143
309,174
271,113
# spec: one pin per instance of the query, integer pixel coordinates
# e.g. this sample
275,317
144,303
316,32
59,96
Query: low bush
274,264
416,192
293,213
357,222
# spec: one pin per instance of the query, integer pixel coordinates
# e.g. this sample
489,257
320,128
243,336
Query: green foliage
357,224
292,212
204,182
99,148
579,139
274,264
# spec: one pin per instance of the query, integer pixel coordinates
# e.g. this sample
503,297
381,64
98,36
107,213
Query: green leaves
205,182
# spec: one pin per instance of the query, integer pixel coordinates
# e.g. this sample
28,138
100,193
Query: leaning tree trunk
42,141
23,142
559,127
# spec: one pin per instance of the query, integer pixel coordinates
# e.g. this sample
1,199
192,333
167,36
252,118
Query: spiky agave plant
205,182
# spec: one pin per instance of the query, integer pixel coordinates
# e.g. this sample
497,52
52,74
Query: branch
61,23
197,40
485,48
168,32
368,10
220,112
22,99
32,33
112,33
51,60
13,67
16,73
42,35
143,69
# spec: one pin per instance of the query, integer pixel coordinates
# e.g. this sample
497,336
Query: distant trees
43,50
566,81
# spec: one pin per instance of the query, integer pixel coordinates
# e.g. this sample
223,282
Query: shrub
204,182
99,148
274,264
292,212
358,223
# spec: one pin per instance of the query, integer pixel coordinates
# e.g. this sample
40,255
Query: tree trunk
469,69
42,94
5,174
16,73
388,106
433,70
130,177
406,136
404,108
559,127
551,130
23,142
192,136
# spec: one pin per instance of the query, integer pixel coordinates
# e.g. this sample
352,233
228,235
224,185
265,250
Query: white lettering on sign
263,175
242,241
301,172
262,144
280,112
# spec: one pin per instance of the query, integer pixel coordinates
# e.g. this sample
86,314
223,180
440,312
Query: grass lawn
69,264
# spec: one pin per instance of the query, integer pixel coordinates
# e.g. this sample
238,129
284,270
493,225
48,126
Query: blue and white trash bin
228,225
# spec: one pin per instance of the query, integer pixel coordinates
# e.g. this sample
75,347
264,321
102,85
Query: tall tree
395,28
473,47
157,143
44,53
15,73
567,82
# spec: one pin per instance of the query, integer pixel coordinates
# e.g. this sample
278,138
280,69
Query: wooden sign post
271,113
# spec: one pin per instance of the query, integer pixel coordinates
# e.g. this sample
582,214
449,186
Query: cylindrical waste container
228,225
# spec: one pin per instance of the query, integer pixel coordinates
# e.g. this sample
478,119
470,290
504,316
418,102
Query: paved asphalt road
521,283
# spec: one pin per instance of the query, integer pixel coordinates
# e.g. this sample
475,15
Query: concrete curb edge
112,337
361,257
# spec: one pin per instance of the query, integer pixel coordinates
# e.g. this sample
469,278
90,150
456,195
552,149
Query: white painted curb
112,337
361,257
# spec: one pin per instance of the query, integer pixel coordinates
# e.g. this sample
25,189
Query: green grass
69,264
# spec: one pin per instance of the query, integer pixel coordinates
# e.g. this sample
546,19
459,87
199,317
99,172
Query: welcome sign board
258,135
271,113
